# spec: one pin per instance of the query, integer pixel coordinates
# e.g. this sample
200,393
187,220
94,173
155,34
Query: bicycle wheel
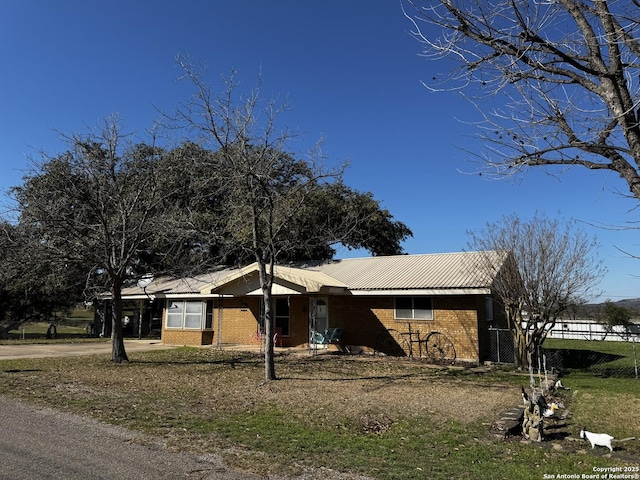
391,343
439,347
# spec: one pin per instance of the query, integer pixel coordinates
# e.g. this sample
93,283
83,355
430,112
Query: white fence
590,330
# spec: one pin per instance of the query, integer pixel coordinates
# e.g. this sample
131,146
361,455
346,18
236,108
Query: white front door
318,315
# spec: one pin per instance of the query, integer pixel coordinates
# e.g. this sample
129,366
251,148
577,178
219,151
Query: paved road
40,443
34,350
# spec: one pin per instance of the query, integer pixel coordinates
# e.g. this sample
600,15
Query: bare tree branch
569,72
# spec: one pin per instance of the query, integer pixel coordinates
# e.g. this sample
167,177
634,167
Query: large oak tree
33,286
97,205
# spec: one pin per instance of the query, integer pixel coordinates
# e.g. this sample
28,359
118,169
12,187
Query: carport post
142,308
219,332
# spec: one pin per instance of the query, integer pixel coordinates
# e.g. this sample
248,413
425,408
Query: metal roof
403,272
440,273
176,286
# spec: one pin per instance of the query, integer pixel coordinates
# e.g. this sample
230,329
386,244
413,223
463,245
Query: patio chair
330,335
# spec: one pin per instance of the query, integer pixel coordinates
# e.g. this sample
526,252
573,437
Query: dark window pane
404,307
282,307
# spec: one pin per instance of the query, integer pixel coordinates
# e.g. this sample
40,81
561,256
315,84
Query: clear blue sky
352,73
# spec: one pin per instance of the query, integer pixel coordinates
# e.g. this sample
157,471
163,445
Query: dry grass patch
352,393
322,392
384,418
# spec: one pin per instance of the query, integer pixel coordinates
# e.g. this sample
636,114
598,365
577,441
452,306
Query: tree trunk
520,356
118,353
269,362
7,327
265,283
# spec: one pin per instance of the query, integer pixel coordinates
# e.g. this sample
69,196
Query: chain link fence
598,358
616,358
501,348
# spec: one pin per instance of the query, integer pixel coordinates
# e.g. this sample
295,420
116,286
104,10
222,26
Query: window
282,315
413,308
174,314
184,314
208,322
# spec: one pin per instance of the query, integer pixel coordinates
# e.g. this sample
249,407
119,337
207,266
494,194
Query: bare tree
264,186
96,205
561,76
552,266
273,201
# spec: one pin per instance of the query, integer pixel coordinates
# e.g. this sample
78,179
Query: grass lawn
382,418
599,357
72,326
66,332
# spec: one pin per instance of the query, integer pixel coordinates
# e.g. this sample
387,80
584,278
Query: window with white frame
184,314
413,308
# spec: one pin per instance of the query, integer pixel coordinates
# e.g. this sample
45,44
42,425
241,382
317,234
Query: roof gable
245,280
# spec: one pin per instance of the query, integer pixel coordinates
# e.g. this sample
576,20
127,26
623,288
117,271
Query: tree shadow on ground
577,359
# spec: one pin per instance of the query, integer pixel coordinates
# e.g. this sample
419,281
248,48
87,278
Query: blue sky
352,73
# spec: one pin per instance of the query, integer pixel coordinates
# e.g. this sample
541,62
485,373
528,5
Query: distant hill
592,310
630,303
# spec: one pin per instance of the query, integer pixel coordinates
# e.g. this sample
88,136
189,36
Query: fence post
635,357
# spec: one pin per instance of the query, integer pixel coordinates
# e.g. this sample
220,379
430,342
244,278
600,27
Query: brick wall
457,318
361,317
364,317
299,322
240,318
240,322
186,337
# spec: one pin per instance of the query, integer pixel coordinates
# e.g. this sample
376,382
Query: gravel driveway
42,350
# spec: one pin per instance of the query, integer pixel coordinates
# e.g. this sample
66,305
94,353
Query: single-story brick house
363,297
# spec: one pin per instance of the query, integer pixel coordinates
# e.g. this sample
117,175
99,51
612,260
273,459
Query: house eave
423,291
335,291
170,296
